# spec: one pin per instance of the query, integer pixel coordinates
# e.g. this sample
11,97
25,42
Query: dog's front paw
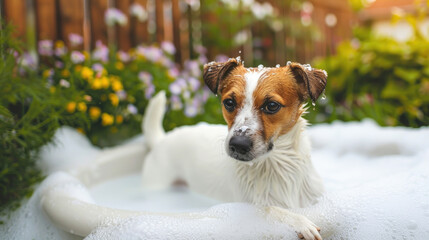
307,230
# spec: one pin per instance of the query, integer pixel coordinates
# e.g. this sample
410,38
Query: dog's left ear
215,72
311,81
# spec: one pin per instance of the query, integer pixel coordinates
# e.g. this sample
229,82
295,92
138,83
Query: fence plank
139,32
98,26
46,19
176,30
159,11
123,32
71,18
14,12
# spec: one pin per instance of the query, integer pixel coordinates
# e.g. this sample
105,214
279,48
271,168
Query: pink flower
77,57
168,47
75,39
115,16
145,77
123,56
101,52
46,47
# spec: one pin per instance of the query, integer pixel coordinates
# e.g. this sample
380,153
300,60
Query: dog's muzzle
240,147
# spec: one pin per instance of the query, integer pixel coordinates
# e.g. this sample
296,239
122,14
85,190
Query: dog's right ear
215,72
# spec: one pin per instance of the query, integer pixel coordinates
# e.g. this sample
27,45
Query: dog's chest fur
285,177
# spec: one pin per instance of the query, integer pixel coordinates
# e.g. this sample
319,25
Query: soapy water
376,180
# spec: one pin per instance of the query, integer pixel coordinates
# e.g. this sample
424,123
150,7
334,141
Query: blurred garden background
93,65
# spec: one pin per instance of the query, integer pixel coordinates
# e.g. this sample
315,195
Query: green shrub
29,116
379,78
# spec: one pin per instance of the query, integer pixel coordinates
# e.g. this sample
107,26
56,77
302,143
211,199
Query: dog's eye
271,107
229,104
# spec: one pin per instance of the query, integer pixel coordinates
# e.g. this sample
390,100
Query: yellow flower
106,119
94,113
52,89
59,44
71,107
96,84
47,73
119,119
105,83
86,54
87,73
116,85
80,130
87,98
78,68
119,65
82,107
65,73
114,99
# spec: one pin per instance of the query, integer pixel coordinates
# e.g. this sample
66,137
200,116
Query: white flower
64,83
168,47
241,37
137,10
261,11
77,57
113,16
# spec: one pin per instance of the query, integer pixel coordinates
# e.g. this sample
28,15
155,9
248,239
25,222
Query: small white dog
261,157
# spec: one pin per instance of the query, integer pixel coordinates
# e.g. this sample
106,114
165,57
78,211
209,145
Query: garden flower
46,47
75,39
113,16
194,83
176,102
114,99
60,48
106,119
28,60
71,107
101,52
97,67
151,53
200,49
105,82
193,68
97,84
81,107
241,37
137,10
65,73
145,77
221,58
173,72
177,86
116,84
64,83
191,108
149,91
77,57
168,47
261,11
94,113
123,56
132,109
119,65
48,73
59,64
122,94
87,98
119,119
87,73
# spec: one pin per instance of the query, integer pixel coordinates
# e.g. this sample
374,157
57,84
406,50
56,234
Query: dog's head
261,104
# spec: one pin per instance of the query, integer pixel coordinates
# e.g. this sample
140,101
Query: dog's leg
157,174
303,227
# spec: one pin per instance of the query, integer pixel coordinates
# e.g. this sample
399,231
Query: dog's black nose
240,144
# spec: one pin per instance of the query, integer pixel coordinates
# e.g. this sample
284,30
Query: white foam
376,180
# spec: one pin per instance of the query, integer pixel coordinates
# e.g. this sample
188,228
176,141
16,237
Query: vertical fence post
86,26
111,30
159,14
30,18
176,30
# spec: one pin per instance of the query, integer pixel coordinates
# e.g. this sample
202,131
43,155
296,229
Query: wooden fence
169,20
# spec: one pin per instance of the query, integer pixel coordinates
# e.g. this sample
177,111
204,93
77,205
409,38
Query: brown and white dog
261,157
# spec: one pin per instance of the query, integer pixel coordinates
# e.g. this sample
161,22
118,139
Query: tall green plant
29,117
